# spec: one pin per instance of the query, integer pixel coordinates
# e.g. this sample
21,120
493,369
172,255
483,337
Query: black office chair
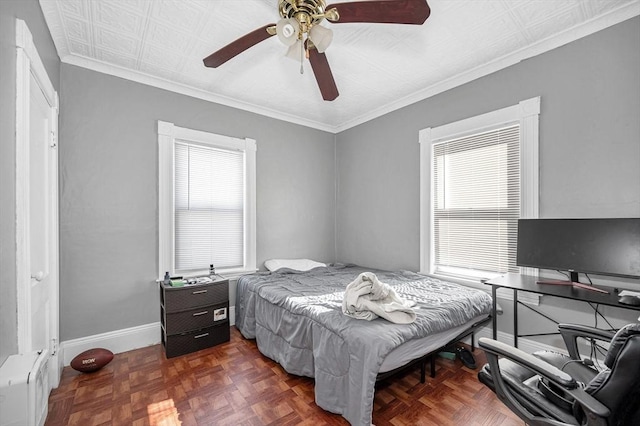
549,388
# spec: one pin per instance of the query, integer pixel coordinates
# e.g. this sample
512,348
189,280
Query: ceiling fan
300,29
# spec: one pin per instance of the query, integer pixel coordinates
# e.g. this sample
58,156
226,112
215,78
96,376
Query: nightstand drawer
180,344
179,322
189,297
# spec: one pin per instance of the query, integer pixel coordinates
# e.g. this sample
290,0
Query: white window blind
476,203
209,207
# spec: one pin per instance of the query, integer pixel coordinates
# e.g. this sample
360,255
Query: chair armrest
571,332
495,349
531,362
589,403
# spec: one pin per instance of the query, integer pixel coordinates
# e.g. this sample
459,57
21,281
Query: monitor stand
573,282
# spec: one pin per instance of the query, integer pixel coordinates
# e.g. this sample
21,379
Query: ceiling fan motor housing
307,12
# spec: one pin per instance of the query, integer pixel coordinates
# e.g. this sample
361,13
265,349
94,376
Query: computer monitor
609,247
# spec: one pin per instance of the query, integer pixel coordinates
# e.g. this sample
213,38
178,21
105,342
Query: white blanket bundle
367,298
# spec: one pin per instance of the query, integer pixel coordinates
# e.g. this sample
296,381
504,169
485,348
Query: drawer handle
200,313
201,335
199,292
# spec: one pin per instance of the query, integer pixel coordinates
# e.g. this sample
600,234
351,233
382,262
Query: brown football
91,360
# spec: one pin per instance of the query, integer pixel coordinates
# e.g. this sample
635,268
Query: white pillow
295,264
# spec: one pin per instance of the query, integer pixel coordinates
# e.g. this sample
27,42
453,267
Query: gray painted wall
30,12
589,148
109,194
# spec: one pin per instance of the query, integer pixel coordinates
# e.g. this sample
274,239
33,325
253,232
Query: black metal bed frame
431,356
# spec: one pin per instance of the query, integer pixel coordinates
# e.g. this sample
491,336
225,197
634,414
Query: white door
37,208
43,194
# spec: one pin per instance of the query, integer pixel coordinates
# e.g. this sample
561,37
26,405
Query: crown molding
614,17
161,83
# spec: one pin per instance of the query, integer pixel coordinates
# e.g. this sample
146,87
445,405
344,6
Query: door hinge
52,139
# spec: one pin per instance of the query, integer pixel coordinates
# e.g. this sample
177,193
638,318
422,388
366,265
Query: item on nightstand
167,278
212,272
177,282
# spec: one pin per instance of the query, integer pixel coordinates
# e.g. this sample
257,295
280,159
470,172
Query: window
478,177
206,202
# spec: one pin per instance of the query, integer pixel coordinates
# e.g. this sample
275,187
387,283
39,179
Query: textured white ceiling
377,67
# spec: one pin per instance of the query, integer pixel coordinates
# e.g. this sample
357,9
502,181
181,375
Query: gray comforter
297,320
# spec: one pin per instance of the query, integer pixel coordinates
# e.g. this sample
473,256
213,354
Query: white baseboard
232,315
116,341
119,341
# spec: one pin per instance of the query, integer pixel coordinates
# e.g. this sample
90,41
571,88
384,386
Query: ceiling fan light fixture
287,31
321,37
293,52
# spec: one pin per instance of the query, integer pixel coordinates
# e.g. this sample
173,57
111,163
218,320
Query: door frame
28,63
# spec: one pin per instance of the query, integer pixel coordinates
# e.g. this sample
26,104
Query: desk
518,282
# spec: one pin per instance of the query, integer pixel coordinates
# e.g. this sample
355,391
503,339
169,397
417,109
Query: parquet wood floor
233,384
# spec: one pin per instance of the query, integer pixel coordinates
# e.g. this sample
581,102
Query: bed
296,319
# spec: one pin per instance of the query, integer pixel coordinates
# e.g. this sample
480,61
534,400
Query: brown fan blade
236,47
383,11
324,77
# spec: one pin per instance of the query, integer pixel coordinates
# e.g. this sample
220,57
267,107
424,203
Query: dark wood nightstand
194,317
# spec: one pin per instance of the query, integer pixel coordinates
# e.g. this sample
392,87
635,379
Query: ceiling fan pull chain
301,57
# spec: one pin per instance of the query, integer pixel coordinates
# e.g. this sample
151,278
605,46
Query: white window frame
526,113
168,133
